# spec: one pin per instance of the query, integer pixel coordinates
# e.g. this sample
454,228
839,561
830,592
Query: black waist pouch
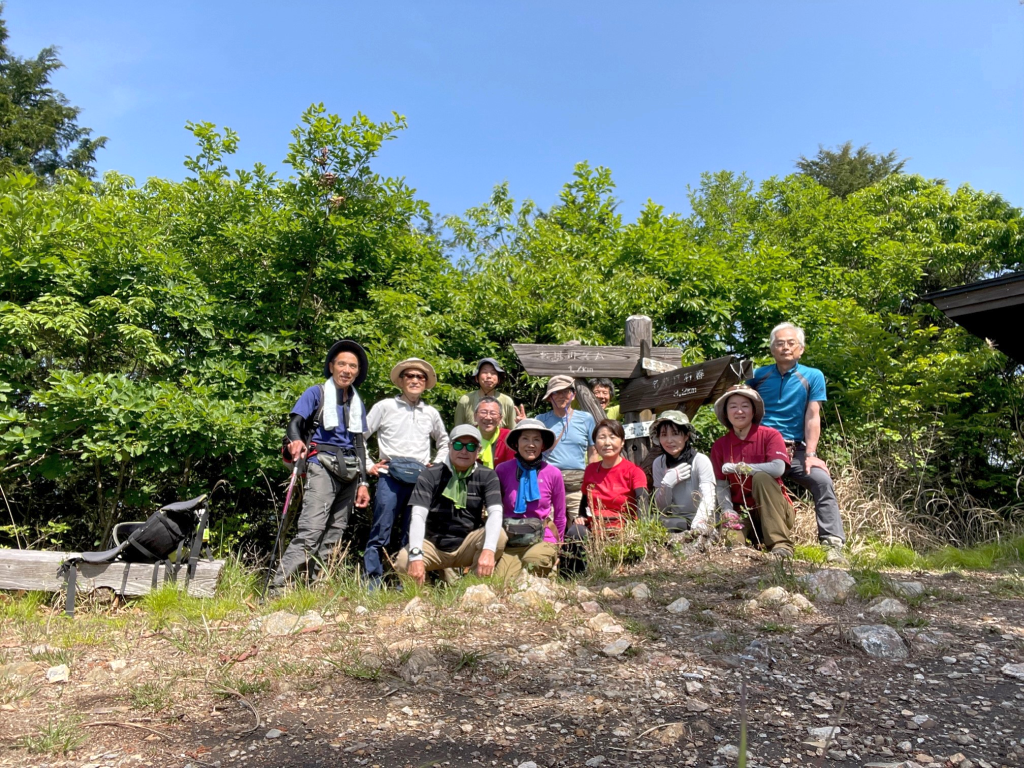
405,470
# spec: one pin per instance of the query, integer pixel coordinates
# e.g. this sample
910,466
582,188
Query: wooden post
638,333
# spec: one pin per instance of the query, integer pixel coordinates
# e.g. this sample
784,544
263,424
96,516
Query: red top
763,444
501,451
610,491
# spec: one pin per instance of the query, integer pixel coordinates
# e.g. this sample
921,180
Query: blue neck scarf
529,488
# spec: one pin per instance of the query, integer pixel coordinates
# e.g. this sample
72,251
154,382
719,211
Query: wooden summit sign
585,362
693,385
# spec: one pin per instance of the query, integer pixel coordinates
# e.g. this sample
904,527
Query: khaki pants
465,556
773,517
539,559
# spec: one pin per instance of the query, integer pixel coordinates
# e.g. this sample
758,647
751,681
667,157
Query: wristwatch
415,552
811,454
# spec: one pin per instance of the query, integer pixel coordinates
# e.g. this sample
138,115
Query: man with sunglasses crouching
456,513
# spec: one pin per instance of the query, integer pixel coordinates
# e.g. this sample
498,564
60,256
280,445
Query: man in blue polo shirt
793,395
574,443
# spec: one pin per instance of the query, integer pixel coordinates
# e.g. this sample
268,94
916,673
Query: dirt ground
533,677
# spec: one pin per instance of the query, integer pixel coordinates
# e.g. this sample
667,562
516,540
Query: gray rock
606,623
830,585
829,669
478,596
419,661
908,588
638,591
680,605
827,732
545,653
361,610
273,733
714,637
528,764
878,640
416,605
530,598
802,603
617,647
590,606
19,669
929,642
1015,671
611,594
886,607
696,705
773,595
595,761
117,665
282,623
58,674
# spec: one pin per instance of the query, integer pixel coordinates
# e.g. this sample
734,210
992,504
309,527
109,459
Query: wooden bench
40,571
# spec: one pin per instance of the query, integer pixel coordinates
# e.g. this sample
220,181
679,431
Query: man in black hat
488,376
326,429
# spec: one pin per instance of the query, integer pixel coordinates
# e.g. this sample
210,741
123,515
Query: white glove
676,475
740,468
729,468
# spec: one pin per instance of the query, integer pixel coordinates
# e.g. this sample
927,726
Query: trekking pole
280,527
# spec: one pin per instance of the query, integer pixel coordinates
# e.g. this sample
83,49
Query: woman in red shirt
613,489
749,462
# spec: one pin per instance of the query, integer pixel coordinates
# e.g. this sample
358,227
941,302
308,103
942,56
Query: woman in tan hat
684,480
749,462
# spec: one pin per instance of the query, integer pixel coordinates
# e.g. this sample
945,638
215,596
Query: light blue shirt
786,397
577,434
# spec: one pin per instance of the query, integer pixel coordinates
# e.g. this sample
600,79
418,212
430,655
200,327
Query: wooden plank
656,366
578,360
693,384
37,571
638,332
981,296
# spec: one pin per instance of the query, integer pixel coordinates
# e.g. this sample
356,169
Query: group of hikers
502,492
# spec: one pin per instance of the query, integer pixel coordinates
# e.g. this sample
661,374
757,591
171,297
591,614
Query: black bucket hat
347,345
480,364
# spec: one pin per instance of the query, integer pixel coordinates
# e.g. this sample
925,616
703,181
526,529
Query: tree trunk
638,332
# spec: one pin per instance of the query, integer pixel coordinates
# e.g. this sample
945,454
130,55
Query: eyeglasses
458,445
414,376
785,343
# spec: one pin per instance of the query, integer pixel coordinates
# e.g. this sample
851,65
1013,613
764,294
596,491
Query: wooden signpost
655,377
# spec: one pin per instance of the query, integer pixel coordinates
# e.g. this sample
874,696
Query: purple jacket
552,496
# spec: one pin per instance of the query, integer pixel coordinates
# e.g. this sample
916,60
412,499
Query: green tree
843,171
39,131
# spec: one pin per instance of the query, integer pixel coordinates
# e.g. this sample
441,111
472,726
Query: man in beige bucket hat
405,425
574,438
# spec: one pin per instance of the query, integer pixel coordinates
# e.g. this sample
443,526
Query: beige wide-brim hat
559,383
418,364
747,392
678,418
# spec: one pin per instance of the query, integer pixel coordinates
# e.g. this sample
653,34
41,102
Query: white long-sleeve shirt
405,430
694,497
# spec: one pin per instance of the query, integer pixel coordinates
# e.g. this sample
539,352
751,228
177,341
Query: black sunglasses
458,445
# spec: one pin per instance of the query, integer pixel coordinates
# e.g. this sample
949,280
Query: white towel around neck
355,409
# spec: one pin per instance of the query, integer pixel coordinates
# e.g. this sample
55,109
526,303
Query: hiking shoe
782,552
833,549
832,542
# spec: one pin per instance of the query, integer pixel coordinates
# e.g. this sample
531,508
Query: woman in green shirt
488,376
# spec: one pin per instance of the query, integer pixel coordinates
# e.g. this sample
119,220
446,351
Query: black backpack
165,533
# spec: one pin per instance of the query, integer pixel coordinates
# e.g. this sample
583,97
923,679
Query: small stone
696,705
639,591
590,606
530,598
361,610
877,640
671,733
680,605
273,733
963,739
692,687
885,607
908,588
603,622
750,606
478,596
829,669
802,603
729,751
544,653
773,595
905,746
789,611
281,623
117,665
611,594
416,605
58,674
830,585
528,764
594,762
714,637
617,647
828,732
466,728
19,669
1013,670
949,659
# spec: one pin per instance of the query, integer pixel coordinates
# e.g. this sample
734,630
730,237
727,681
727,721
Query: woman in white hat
749,462
533,498
684,480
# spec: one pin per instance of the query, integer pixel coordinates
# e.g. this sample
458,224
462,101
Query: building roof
991,309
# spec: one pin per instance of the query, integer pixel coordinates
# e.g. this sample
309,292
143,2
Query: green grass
811,553
996,555
775,628
151,697
24,608
57,737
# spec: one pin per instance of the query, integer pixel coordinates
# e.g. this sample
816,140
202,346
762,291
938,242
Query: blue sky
520,91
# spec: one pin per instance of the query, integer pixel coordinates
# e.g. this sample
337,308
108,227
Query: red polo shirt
763,444
610,492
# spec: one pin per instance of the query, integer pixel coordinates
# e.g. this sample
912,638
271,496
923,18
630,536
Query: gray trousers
818,482
326,506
